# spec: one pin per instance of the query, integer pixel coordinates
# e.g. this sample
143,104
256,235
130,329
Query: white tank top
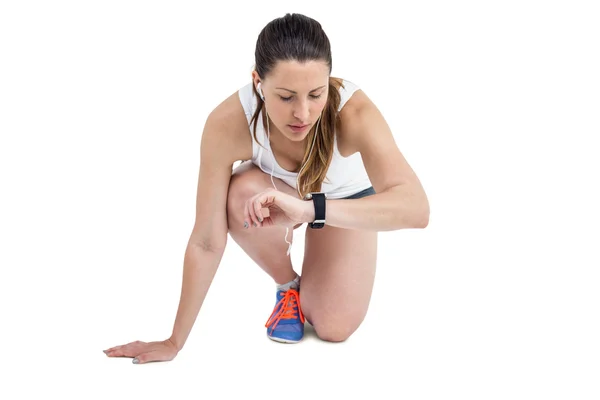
345,176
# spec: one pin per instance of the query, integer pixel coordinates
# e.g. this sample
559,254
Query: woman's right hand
143,352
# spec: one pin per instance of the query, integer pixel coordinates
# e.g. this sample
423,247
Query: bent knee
246,181
332,331
241,188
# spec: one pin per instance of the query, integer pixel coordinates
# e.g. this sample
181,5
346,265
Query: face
295,94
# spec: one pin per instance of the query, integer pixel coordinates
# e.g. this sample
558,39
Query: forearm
400,207
200,266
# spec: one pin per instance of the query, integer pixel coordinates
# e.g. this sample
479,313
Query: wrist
177,343
309,211
316,211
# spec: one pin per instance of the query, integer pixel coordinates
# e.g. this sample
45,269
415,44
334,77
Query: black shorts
363,193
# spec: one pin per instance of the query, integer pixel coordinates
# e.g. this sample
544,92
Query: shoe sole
280,340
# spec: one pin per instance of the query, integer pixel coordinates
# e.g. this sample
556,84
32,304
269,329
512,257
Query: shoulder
247,99
345,88
227,129
355,112
351,94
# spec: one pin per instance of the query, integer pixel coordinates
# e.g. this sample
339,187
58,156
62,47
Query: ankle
292,284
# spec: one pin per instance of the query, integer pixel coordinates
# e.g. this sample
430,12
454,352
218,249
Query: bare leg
266,245
338,274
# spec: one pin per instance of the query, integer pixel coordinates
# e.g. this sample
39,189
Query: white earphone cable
298,177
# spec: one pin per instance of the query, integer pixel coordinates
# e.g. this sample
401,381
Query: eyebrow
320,87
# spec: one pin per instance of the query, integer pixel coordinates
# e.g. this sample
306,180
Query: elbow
208,246
208,243
419,216
412,211
422,219
415,220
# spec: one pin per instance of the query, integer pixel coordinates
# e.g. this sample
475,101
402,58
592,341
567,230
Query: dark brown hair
296,37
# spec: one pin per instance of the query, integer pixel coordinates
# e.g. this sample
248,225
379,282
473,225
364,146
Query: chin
297,138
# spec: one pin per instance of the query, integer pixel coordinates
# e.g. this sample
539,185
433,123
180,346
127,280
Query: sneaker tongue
291,303
290,285
281,294
293,284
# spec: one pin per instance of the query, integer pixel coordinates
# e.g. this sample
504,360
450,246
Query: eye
290,98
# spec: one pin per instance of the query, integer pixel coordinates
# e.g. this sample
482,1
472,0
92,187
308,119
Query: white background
494,104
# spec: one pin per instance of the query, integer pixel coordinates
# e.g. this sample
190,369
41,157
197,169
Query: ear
255,78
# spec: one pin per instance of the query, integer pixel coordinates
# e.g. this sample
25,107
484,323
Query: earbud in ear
260,93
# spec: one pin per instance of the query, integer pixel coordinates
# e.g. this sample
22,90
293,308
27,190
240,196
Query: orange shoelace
286,308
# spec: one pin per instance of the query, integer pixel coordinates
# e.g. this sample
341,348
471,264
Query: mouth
298,128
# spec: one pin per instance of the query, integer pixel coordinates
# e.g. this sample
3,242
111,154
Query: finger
112,348
151,356
268,221
124,352
253,221
262,202
121,347
257,207
247,218
266,213
266,200
137,342
116,353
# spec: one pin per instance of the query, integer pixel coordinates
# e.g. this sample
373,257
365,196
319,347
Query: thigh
337,279
247,179
248,171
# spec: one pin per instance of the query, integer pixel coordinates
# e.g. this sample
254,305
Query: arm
225,133
400,201
396,208
225,140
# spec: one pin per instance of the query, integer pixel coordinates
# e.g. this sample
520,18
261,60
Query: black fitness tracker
319,203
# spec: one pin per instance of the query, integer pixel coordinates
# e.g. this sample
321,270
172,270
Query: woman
317,151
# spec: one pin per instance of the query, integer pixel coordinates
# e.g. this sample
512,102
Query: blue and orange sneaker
286,323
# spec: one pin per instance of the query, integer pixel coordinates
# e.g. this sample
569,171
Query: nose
302,111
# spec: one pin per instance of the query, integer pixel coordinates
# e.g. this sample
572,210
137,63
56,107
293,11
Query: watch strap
319,201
